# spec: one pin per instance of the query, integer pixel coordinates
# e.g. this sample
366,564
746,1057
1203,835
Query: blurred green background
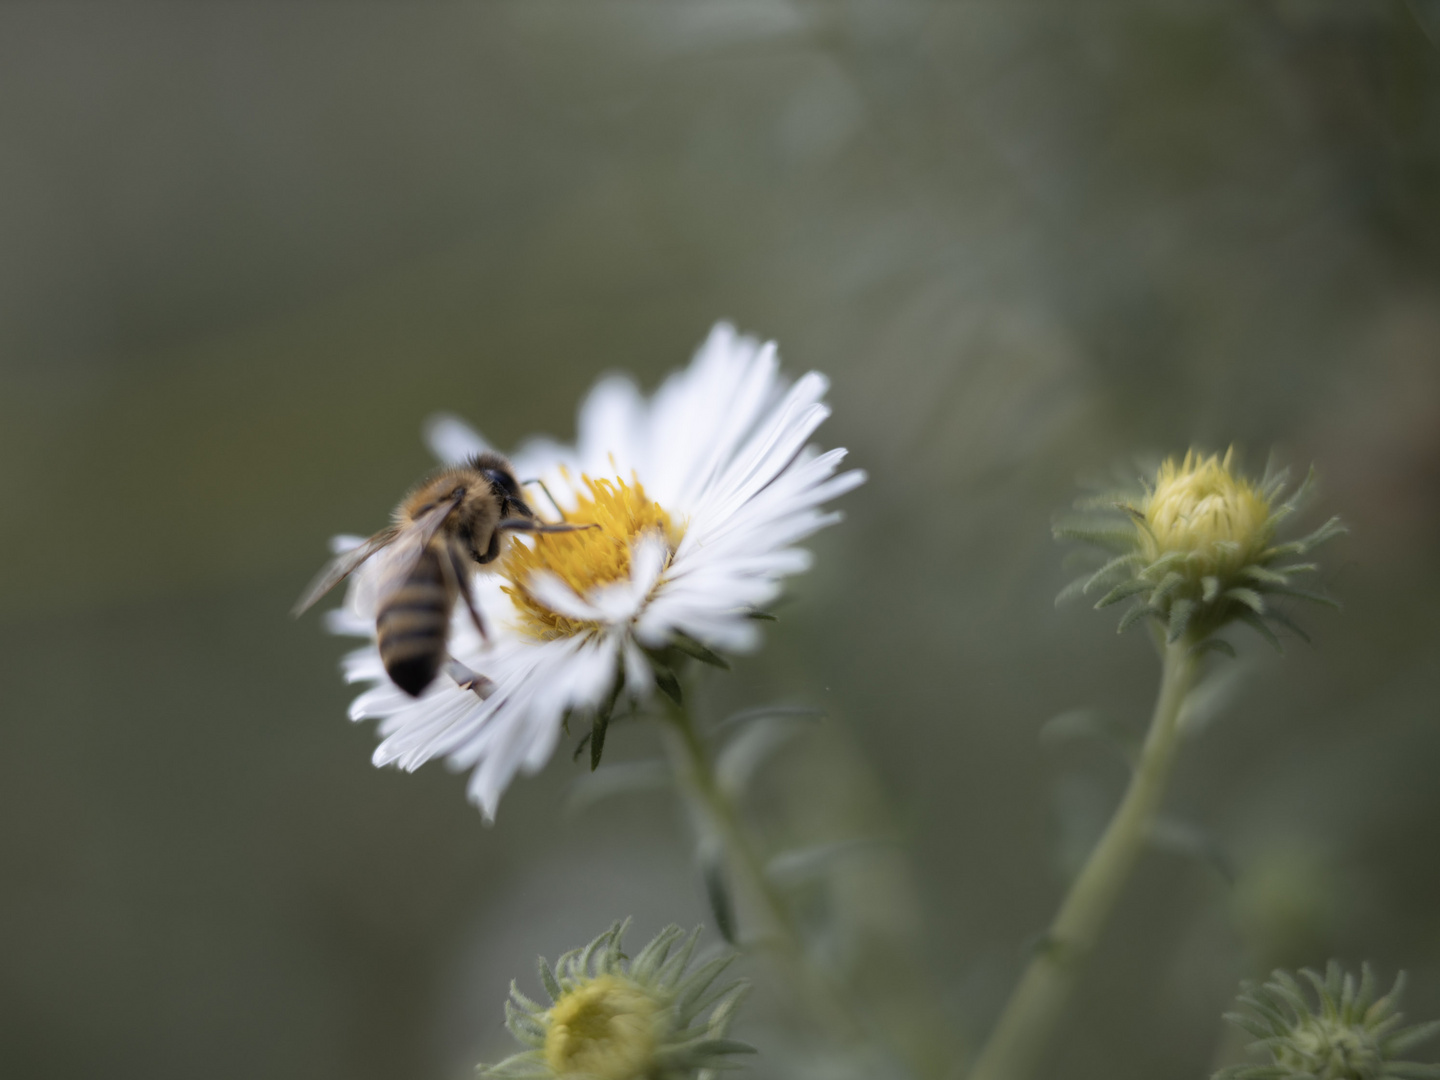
246,248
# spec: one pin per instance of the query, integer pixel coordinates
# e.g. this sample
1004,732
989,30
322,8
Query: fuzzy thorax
586,559
606,1028
1201,509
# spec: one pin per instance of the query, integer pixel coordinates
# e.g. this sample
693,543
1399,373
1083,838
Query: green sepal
1281,619
1256,623
1134,615
1123,591
1412,1036
669,685
1114,539
1249,597
548,980
1181,610
601,723
690,647
597,739
1214,644
1305,594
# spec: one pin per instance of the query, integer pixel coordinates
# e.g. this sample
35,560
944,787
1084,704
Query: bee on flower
1194,547
664,531
612,1018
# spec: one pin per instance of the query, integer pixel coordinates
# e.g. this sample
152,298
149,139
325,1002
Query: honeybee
455,520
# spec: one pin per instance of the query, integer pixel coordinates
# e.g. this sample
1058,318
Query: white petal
551,591
452,440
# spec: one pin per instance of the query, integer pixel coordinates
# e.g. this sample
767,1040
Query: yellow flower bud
605,1028
1196,550
612,1017
1201,509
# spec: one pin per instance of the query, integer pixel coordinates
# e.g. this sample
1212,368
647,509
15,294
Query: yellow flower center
606,1029
1201,507
587,558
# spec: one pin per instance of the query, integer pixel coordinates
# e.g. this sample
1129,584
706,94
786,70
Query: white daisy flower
700,494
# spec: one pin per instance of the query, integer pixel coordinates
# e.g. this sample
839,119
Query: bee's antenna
541,484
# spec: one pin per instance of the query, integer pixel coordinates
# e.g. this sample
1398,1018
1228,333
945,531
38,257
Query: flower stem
1020,1035
718,821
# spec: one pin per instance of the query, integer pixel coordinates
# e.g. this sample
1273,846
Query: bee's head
503,485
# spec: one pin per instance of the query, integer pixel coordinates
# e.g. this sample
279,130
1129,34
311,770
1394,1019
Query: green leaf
743,755
580,746
1190,840
761,712
690,647
717,893
667,682
1211,697
1214,644
626,778
1090,724
804,864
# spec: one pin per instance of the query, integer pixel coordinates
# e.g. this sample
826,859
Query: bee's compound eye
457,493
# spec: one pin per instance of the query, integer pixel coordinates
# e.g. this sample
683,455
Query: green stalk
716,817
1020,1036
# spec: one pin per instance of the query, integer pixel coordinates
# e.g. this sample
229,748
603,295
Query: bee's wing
398,558
341,567
401,545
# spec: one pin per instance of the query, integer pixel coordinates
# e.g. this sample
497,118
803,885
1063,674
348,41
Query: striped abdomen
413,623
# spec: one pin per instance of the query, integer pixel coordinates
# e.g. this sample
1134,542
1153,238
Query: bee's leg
481,685
455,571
526,525
541,484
